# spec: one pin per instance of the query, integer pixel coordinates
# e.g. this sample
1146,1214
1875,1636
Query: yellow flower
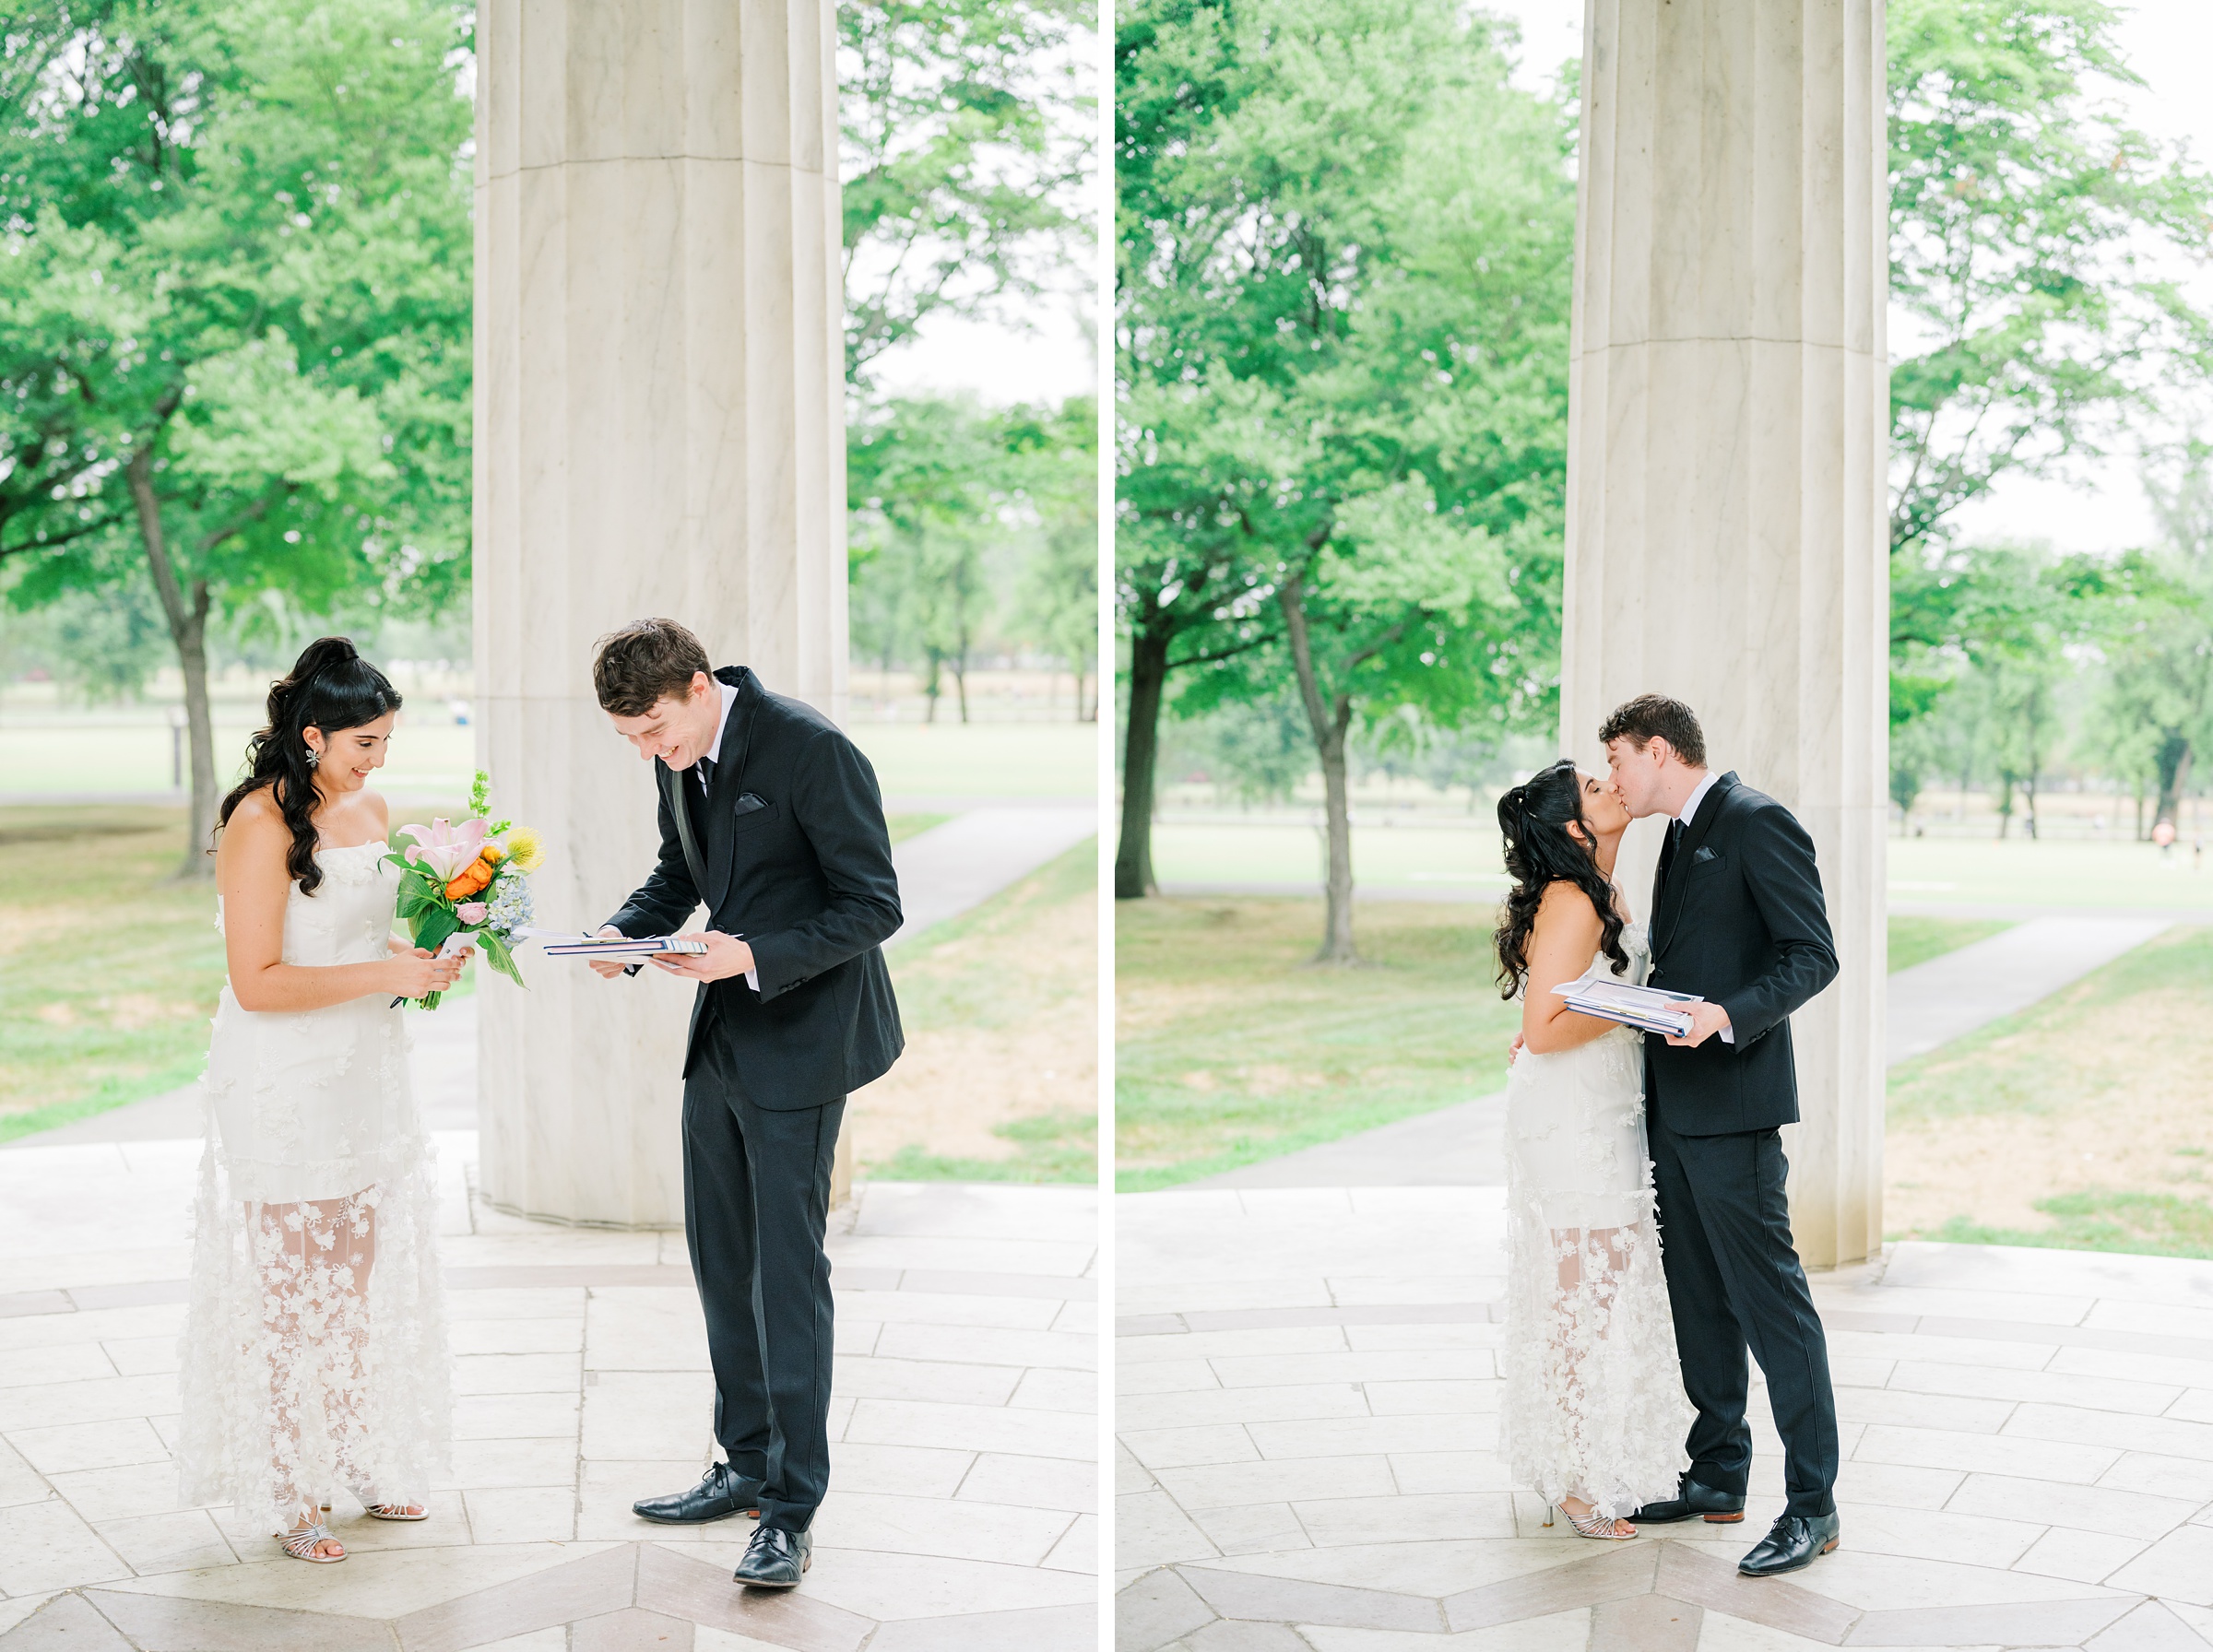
525,849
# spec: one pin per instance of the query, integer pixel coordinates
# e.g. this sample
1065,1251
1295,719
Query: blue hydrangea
510,906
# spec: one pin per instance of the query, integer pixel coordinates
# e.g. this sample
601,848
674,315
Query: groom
770,817
1738,918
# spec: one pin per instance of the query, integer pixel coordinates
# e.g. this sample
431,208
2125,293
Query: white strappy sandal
389,1511
301,1545
1604,1528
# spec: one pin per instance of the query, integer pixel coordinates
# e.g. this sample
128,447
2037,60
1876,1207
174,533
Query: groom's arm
1785,886
666,899
836,804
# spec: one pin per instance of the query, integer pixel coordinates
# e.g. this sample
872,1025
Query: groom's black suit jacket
787,849
1738,918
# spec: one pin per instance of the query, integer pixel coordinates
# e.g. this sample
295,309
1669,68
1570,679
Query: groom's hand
726,956
1706,1020
606,968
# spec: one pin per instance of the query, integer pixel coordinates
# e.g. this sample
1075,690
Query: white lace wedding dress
314,1348
1595,1405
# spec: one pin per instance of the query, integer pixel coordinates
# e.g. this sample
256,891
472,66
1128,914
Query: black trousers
756,1201
1735,1281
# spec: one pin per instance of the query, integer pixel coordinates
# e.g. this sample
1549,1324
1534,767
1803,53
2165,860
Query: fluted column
658,430
1725,472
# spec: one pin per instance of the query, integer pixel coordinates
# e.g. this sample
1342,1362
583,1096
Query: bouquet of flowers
470,880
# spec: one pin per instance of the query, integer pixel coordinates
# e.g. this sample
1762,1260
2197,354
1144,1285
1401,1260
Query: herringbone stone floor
1307,1414
961,1512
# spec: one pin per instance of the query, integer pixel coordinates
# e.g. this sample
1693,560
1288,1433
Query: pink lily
442,849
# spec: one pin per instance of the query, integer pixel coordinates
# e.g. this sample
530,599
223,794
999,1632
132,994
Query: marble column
1725,473
659,430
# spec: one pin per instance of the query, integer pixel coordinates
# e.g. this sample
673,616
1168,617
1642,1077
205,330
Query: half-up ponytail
1540,852
331,688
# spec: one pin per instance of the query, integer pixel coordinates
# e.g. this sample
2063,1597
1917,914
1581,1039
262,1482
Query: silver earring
313,757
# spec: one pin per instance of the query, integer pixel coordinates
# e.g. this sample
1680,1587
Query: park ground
110,968
2085,1121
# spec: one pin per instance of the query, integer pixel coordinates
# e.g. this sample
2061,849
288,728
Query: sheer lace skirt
1593,1404
315,1352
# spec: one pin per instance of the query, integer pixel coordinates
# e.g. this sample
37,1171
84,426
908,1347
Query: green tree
235,321
2033,240
1345,313
965,126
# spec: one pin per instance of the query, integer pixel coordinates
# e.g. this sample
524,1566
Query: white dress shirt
1686,814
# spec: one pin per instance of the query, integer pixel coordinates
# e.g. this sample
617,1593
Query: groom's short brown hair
1641,719
646,662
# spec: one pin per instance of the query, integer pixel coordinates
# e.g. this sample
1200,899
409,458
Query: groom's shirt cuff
1728,1035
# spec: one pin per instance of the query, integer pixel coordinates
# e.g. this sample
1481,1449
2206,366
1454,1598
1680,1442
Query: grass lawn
1000,1081
109,971
1916,941
2084,1121
1232,1048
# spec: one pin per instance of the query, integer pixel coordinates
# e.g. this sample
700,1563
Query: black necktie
706,772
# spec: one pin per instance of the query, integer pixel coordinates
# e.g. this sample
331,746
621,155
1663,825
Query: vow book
1649,1008
611,946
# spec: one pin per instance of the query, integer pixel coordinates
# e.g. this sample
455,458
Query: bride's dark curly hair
1540,852
331,688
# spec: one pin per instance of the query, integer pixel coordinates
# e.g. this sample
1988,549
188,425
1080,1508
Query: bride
314,1350
1594,1416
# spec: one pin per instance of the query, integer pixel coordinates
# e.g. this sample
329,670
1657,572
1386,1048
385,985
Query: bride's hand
1515,1050
418,971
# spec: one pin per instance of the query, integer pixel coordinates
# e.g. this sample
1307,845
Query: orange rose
472,878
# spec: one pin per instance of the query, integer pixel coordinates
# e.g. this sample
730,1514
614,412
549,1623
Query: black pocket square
747,803
1703,855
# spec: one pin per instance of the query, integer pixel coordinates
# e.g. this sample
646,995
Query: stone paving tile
1349,1366
1432,1567
1224,1484
1557,1632
1227,1637
1789,1605
1995,1454
2137,1367
2087,1508
1045,1628
1421,1471
987,1345
2046,1624
927,1380
1472,1334
516,1416
1160,1448
2082,1556
1234,1594
1194,1408
1156,1610
2180,1564
1252,1529
517,1336
1049,1391
1616,1573
1646,1624
2140,1398
1070,1485
1152,1529
2152,1627
516,1373
1217,1345
2156,1476
1339,1520
90,1446
50,1546
170,1542
2076,1426
972,1428
2195,1405
1379,1435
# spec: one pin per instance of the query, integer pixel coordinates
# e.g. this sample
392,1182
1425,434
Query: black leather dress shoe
775,1559
721,1493
1792,1541
1691,1498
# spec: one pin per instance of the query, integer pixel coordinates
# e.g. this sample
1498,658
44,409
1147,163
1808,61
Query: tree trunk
188,630
1141,753
932,685
1329,722
960,682
2173,759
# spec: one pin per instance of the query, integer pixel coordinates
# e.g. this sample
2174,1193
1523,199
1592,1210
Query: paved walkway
962,1513
1307,1409
1929,1005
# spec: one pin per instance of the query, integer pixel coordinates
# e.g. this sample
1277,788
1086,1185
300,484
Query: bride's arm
250,871
1560,946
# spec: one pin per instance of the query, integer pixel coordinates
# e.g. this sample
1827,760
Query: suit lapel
730,775
1670,902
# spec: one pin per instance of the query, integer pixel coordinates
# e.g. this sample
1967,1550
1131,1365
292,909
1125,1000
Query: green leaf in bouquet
501,958
433,926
